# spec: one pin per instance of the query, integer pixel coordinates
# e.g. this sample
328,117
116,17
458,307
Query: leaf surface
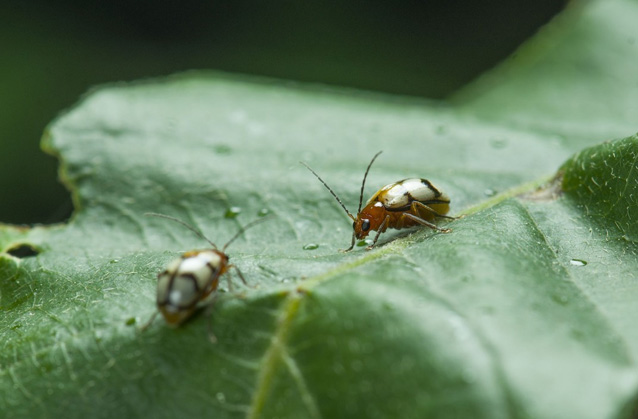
524,310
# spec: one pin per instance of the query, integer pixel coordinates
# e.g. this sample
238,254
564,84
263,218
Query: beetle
188,280
398,205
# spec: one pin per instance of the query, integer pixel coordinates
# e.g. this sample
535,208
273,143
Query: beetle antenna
188,226
241,230
331,191
363,184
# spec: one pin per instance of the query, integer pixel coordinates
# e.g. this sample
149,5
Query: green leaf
575,80
526,309
601,180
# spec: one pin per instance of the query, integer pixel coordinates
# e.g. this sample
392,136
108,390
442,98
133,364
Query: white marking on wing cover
162,286
174,265
197,266
182,292
395,196
418,190
212,257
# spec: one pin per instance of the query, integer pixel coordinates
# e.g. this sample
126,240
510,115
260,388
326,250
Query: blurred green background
53,52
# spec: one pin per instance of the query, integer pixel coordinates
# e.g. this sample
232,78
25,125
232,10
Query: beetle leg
426,223
351,244
240,277
209,317
149,322
379,230
416,204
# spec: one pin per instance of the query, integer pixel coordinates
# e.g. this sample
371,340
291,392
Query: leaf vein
273,354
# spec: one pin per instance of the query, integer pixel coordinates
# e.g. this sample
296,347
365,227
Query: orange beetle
403,204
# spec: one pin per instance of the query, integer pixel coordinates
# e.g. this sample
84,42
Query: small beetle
190,279
403,204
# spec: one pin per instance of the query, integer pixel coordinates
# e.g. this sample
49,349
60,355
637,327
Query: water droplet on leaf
222,149
232,212
489,192
578,262
366,242
560,299
498,142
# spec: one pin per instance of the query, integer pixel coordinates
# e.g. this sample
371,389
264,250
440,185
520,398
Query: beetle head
361,227
370,218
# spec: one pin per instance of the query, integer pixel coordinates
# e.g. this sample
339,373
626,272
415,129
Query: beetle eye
365,226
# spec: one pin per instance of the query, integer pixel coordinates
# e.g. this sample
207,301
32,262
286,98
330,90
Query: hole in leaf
23,250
